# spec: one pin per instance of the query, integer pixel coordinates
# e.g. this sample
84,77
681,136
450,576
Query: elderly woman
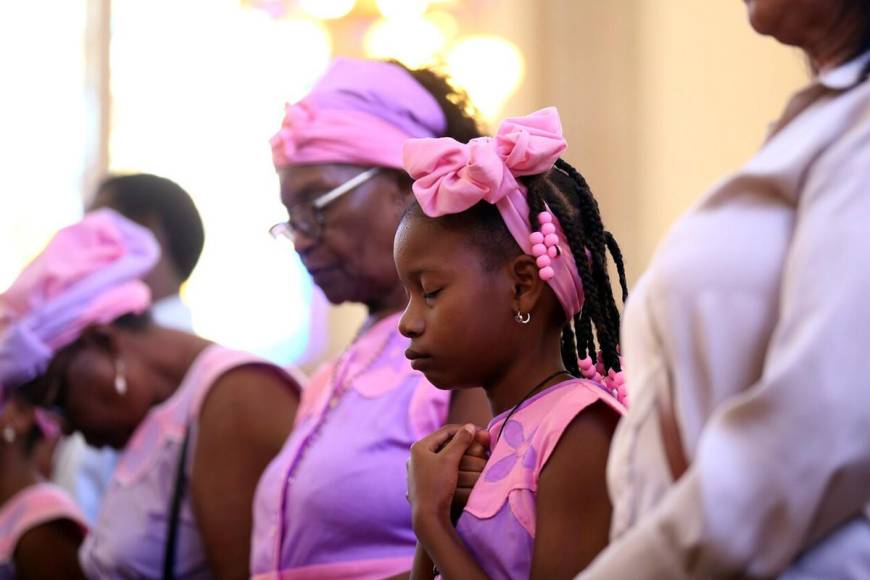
197,423
745,451
332,504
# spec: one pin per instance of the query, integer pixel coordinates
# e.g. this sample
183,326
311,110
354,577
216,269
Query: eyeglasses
308,219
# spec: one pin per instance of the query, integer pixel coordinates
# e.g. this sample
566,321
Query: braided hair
566,194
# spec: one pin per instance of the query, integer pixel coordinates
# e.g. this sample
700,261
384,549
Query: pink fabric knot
360,112
451,177
285,143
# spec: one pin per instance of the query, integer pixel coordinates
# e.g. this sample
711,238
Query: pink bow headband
451,177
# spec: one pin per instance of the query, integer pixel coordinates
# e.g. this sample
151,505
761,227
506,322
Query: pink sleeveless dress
29,508
129,537
498,524
332,503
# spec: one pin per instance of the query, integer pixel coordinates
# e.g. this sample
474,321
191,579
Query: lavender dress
332,504
129,538
498,524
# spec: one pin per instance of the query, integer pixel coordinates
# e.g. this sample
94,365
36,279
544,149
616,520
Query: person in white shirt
168,211
745,452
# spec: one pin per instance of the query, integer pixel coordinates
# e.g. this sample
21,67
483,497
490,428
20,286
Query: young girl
496,302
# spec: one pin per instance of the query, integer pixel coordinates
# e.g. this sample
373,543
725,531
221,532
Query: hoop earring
9,434
523,317
120,377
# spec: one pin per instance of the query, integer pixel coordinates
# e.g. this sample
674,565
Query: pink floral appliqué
523,452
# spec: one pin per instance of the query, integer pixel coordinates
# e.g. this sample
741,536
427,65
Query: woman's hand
433,474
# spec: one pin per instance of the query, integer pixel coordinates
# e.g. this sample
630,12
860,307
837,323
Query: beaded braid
591,220
577,212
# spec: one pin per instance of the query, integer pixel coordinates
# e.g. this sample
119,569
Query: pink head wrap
451,177
88,274
360,112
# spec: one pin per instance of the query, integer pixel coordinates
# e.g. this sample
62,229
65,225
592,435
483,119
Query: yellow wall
659,99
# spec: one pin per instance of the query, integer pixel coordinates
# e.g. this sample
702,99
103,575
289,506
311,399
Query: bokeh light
202,114
402,9
489,68
413,42
45,111
327,9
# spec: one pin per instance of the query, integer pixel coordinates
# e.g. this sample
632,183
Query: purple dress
498,524
129,537
332,503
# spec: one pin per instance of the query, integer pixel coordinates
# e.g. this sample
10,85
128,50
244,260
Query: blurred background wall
659,98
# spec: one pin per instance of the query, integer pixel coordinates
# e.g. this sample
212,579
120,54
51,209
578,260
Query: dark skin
457,305
61,537
225,469
353,260
815,26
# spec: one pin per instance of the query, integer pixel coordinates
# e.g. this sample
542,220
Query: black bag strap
175,512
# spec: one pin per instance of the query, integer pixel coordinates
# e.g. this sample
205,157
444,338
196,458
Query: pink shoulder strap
213,363
169,420
524,445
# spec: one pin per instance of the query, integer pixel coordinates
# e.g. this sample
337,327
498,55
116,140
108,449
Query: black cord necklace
526,397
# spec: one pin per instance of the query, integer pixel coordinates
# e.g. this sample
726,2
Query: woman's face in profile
800,23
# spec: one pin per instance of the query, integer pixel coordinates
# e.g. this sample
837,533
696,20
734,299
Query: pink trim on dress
384,568
31,507
523,447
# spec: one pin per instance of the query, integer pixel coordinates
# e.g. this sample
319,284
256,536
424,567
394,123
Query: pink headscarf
360,113
451,177
88,274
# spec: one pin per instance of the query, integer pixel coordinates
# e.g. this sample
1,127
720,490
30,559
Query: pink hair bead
585,363
544,217
547,273
543,261
551,240
553,251
536,238
539,250
548,229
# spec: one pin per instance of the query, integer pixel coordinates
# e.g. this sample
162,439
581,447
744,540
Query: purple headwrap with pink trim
360,113
451,177
90,273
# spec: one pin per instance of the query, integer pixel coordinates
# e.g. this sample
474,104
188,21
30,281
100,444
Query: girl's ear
527,284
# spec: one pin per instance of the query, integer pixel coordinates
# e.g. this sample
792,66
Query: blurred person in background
745,450
165,208
195,423
36,518
333,503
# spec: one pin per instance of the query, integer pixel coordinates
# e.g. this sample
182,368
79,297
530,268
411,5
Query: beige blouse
751,329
